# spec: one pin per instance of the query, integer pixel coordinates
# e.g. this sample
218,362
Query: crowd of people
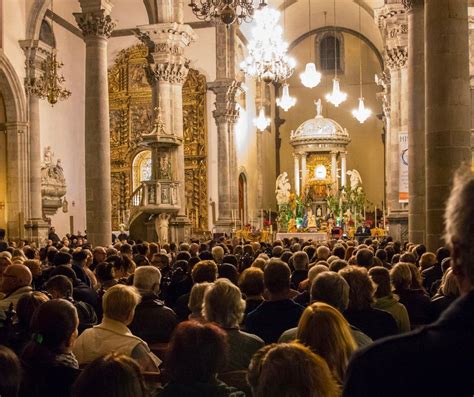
231,318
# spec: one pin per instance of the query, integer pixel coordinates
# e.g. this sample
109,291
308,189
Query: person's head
14,277
416,279
147,279
119,303
80,256
339,251
62,258
196,353
277,251
27,305
251,282
331,288
54,331
381,277
99,254
323,253
113,375
449,285
442,253
365,258
126,250
59,287
161,261
408,257
291,369
326,332
300,260
223,304
105,272
361,288
337,265
205,270
183,256
229,272
10,369
35,267
196,298
315,270
276,277
218,253
400,276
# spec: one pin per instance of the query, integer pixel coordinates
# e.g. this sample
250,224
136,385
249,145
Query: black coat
48,381
436,360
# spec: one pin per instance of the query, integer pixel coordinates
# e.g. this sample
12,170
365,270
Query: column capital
95,23
410,5
384,80
173,73
36,53
396,58
226,92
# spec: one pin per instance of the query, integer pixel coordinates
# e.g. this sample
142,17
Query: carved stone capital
396,58
412,4
173,73
226,92
383,80
95,24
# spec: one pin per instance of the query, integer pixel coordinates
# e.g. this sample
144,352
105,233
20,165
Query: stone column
297,173
334,170
97,25
416,121
447,97
343,169
303,170
36,53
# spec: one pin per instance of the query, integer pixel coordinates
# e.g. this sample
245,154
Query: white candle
375,216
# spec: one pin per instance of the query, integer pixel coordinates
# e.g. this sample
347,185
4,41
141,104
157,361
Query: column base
180,229
37,231
398,225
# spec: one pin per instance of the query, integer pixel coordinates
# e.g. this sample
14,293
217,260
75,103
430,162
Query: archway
141,168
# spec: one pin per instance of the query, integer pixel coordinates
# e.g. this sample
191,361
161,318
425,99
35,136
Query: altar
306,236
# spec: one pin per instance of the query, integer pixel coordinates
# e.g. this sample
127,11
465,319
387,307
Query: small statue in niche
165,167
162,226
311,220
65,205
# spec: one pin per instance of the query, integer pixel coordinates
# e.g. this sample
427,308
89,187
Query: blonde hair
326,332
427,260
196,297
119,302
400,275
361,287
449,285
223,304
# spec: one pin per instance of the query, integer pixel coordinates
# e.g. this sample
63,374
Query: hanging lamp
310,77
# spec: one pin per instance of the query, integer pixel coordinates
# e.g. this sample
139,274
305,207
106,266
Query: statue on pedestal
311,220
282,189
162,226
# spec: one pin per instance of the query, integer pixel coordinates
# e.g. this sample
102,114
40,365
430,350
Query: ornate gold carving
131,115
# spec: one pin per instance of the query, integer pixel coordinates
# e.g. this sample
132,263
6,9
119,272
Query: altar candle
375,216
241,218
261,219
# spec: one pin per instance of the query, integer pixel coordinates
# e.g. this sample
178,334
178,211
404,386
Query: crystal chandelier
267,59
49,85
361,113
226,11
262,121
336,97
286,101
310,77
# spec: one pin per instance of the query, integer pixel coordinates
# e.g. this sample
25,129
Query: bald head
15,276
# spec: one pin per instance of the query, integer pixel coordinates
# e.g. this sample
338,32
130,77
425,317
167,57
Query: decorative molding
95,24
226,92
396,58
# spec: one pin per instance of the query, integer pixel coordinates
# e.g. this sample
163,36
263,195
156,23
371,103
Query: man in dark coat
436,360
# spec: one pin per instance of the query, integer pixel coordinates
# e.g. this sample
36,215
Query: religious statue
65,205
282,190
53,183
319,108
356,180
292,225
165,167
174,195
311,220
162,226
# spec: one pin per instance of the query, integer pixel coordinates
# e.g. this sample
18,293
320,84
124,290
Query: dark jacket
436,360
48,381
153,322
417,304
297,277
372,322
272,318
215,389
81,274
430,275
439,304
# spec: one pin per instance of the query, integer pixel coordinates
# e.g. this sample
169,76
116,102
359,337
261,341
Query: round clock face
320,172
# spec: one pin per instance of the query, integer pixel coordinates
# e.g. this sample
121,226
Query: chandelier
310,77
267,59
49,85
227,11
262,121
286,101
336,97
361,113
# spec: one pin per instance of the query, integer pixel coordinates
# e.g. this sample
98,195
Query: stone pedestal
97,25
448,106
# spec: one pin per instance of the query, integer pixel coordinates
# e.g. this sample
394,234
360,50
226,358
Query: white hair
218,253
459,217
147,278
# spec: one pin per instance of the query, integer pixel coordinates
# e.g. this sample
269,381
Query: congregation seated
16,282
113,334
252,287
448,292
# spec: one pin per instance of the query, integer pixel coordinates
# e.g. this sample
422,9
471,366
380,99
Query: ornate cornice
95,24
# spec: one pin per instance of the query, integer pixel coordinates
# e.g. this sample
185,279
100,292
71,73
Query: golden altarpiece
131,115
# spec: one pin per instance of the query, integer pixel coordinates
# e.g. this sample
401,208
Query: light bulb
261,122
286,101
310,77
336,97
361,113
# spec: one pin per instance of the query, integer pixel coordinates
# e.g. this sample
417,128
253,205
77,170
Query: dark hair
125,249
232,259
204,347
381,254
339,251
52,326
204,271
112,375
104,271
67,271
381,277
61,258
442,253
276,276
228,271
29,252
51,253
27,305
183,256
140,260
365,258
79,256
2,234
61,284
337,265
11,373
251,281
142,248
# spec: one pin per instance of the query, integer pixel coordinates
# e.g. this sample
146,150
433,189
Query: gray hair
147,278
196,297
458,218
223,304
331,288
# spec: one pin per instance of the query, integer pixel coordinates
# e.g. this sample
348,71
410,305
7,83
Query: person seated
385,300
60,287
330,288
16,282
153,321
304,297
9,364
196,301
279,313
112,334
360,313
300,263
290,369
111,375
224,306
435,272
448,292
252,287
50,368
105,274
197,353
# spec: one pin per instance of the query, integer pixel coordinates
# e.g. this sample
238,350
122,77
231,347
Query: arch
12,91
141,168
37,13
338,29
